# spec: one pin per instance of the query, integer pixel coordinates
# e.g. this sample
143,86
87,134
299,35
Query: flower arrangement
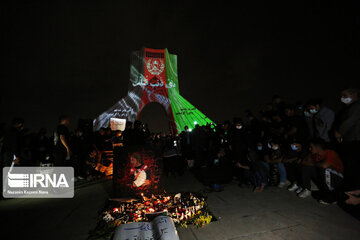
184,209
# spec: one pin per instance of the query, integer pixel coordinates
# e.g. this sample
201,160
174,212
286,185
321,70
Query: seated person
275,158
218,173
91,165
292,159
262,151
325,168
255,171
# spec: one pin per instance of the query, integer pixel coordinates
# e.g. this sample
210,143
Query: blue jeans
282,172
267,165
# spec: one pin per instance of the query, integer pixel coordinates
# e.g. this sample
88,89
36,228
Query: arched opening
155,116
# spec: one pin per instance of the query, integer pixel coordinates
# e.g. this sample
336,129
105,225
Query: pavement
273,214
64,219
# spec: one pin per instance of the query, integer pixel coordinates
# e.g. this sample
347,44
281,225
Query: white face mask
238,127
347,100
275,148
307,114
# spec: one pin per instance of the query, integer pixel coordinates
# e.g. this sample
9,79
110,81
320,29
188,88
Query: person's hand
338,136
238,164
352,200
354,192
68,152
17,161
306,162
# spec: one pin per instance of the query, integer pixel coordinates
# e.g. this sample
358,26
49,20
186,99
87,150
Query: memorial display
183,208
154,78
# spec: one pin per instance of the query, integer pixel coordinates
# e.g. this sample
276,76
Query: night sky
72,57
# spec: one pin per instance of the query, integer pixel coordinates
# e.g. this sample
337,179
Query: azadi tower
154,78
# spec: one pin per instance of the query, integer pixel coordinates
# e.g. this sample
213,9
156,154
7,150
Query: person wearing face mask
238,145
348,134
321,121
276,158
261,151
292,160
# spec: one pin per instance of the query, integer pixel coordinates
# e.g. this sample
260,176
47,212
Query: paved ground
53,219
273,214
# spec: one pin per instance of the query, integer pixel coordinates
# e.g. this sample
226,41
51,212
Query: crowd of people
302,147
294,146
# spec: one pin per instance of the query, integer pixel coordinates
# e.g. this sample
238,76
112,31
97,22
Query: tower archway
156,118
154,78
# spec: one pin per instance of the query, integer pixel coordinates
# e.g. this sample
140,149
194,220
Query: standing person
295,125
199,146
322,119
117,140
62,150
13,143
171,156
253,127
80,152
348,134
278,104
238,145
43,146
186,145
119,156
108,145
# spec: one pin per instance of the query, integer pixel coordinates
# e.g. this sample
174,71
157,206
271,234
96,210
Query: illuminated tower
154,78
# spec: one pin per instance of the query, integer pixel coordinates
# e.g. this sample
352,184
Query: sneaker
293,187
323,202
304,193
326,203
80,178
281,184
298,190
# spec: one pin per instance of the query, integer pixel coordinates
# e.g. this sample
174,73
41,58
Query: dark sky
72,57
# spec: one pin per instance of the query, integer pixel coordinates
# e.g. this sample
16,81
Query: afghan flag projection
154,78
